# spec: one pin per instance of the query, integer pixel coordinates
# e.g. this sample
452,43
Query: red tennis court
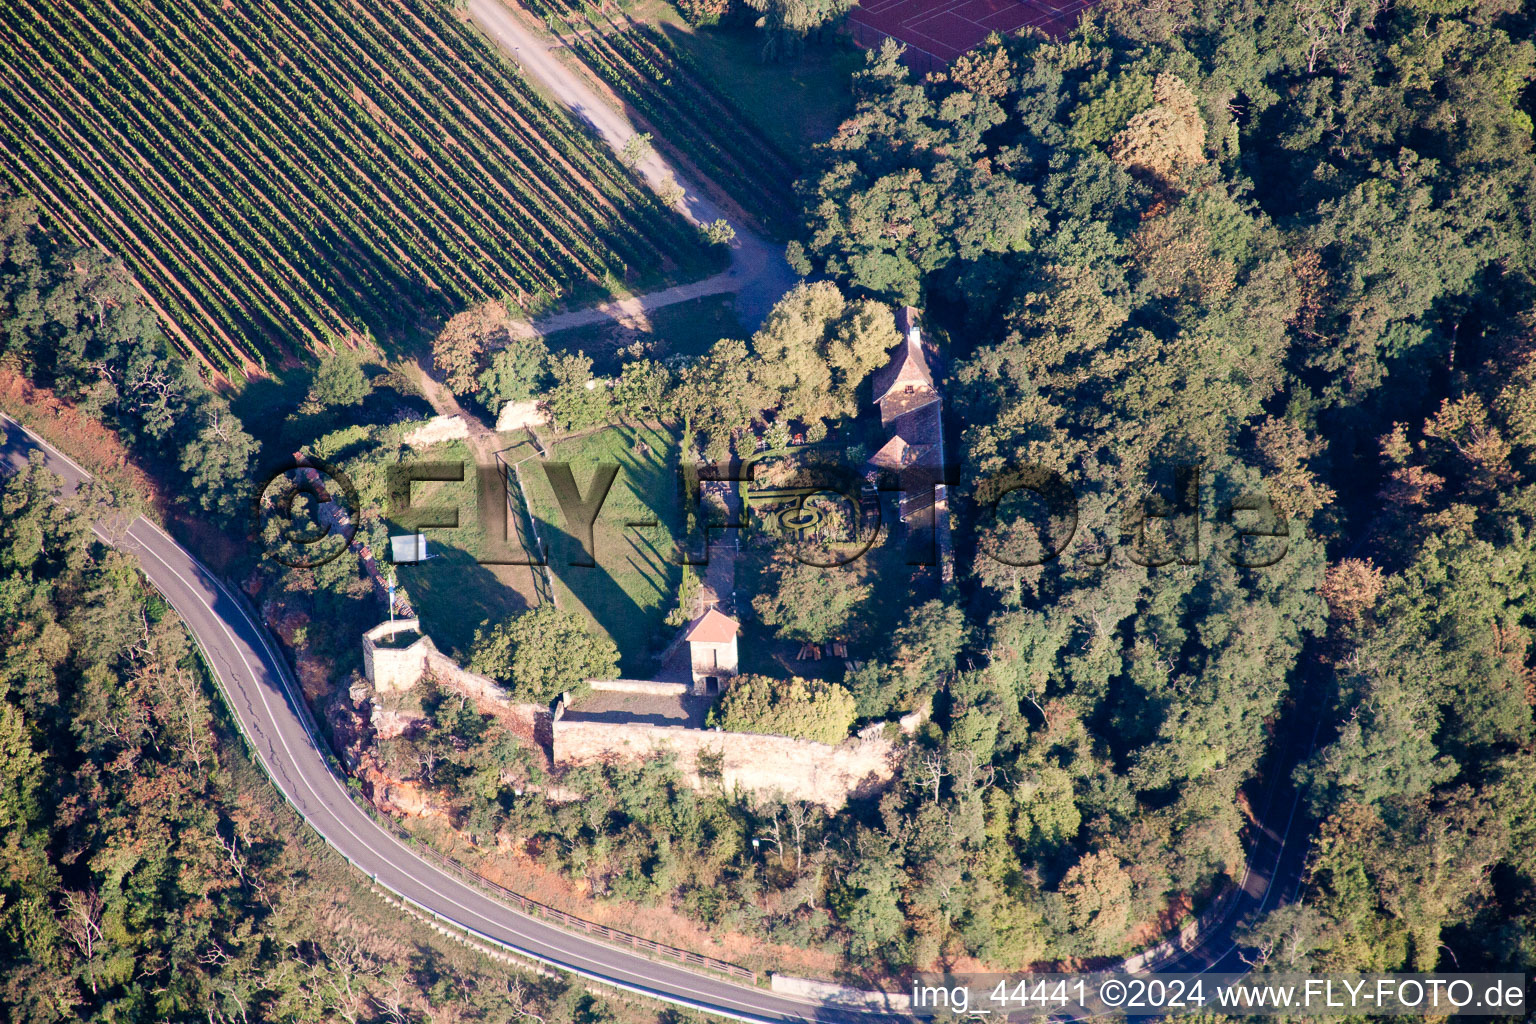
938,31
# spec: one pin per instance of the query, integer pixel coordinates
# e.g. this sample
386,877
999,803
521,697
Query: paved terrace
683,710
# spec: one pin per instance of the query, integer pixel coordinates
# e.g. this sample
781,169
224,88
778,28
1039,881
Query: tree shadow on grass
609,605
454,595
628,592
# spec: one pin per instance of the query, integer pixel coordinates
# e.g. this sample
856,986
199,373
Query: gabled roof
891,454
897,453
713,627
908,365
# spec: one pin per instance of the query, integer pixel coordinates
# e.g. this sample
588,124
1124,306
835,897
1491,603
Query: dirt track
758,274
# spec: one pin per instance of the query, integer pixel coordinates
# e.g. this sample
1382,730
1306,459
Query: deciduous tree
543,653
809,604
460,347
804,709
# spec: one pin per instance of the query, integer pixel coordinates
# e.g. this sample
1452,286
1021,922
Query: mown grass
634,584
688,328
460,586
796,103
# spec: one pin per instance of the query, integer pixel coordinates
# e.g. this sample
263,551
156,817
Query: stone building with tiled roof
905,385
712,650
911,411
897,454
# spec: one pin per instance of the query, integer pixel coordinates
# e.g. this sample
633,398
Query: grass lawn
633,587
452,592
634,584
796,103
690,328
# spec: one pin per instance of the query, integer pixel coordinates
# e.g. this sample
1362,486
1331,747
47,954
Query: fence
520,510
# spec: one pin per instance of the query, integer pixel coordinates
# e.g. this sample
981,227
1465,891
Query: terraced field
666,88
289,175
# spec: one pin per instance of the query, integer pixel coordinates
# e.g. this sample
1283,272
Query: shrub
806,709
719,232
704,12
517,372
636,148
543,653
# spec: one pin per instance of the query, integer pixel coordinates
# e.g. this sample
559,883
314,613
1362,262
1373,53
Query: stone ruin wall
394,670
765,765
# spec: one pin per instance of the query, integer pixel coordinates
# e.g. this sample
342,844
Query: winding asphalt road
264,698
265,701
1276,864
760,275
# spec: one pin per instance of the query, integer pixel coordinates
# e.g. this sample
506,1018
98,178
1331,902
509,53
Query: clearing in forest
635,582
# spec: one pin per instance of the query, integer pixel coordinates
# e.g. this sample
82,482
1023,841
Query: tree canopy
803,709
816,348
1250,240
340,380
810,604
74,323
543,653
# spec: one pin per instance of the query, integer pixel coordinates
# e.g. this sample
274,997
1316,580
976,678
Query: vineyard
289,175
667,88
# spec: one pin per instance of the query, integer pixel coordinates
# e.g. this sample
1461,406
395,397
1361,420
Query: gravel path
758,274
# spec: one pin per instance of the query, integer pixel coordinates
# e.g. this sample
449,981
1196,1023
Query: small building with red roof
712,650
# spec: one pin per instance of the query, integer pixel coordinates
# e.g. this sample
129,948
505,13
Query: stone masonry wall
765,765
645,686
451,676
392,669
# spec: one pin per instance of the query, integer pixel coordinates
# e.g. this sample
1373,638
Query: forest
146,870
1292,250
1292,245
